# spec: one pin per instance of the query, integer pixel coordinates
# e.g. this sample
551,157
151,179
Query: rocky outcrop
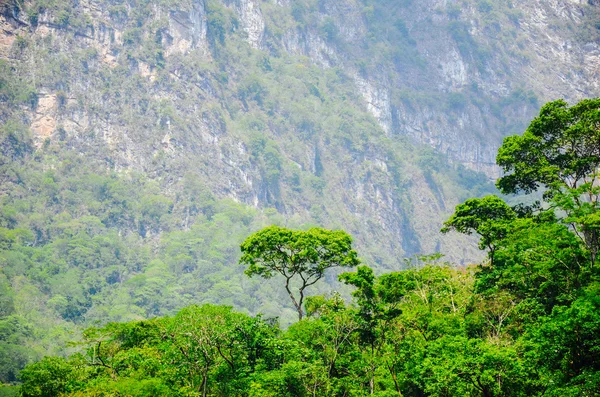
253,22
378,102
44,119
187,29
570,63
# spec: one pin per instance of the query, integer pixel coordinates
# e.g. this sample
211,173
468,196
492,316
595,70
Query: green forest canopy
524,323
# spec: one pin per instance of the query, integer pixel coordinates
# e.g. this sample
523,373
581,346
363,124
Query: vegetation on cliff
142,142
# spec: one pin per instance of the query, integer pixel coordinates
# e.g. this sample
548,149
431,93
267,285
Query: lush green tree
559,152
297,255
490,217
218,348
561,145
330,336
377,307
398,315
456,365
537,294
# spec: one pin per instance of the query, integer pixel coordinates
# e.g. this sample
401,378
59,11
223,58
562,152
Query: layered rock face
498,51
197,86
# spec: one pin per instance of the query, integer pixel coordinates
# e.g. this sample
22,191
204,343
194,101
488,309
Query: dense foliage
525,323
424,331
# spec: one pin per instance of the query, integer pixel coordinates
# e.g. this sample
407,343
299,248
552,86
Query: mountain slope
142,141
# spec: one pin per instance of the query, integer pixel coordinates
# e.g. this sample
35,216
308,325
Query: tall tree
560,152
301,257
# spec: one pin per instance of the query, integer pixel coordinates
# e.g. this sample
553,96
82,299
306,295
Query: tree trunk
296,304
395,379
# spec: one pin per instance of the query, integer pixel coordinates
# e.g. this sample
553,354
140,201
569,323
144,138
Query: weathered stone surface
175,124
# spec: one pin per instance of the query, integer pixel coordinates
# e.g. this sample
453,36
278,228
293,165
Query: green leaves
299,256
276,249
541,284
203,350
490,217
49,377
566,344
561,145
559,151
534,255
418,332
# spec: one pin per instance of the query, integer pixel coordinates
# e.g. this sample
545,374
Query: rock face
540,53
44,120
187,29
209,88
252,21
377,100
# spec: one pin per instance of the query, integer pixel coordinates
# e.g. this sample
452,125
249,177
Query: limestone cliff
322,110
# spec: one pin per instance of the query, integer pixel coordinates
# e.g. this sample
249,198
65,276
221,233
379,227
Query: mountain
142,141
